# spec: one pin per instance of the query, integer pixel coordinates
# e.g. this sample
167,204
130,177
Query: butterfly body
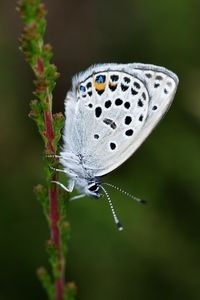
110,110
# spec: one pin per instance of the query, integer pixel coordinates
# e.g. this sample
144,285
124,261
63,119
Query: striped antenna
141,201
117,222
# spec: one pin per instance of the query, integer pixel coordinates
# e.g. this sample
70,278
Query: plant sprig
38,55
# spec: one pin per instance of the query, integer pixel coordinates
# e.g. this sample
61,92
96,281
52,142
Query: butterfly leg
68,189
58,170
77,197
53,156
69,173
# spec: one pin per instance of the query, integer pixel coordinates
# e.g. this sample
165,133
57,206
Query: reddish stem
49,132
55,236
39,65
59,289
54,214
54,210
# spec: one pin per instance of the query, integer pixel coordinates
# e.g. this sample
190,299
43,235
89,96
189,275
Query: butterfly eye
93,187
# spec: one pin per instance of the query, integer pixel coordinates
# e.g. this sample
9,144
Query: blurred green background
157,255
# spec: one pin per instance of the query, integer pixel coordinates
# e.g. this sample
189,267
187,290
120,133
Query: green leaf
58,121
46,282
42,196
70,291
54,258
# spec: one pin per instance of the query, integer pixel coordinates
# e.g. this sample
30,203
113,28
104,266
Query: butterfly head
89,187
93,189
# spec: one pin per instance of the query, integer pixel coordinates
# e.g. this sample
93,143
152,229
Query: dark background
157,255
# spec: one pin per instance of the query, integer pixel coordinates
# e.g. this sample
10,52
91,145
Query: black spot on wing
127,105
148,75
137,85
124,87
156,85
110,122
114,77
126,79
98,111
159,77
112,146
100,92
169,83
89,85
129,132
144,96
166,91
112,87
118,102
128,120
108,104
140,103
141,118
134,92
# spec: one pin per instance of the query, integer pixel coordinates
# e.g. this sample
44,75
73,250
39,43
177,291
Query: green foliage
53,258
39,55
42,196
64,224
70,291
58,121
46,282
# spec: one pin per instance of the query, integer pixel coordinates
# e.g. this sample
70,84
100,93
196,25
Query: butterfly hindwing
112,109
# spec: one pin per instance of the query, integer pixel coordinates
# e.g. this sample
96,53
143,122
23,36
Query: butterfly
110,110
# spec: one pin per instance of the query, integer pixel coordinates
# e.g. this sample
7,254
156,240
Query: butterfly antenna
141,201
117,222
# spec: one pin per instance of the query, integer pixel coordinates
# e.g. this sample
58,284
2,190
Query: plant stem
55,236
49,132
54,214
38,55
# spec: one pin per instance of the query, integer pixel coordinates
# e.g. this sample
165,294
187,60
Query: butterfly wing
112,109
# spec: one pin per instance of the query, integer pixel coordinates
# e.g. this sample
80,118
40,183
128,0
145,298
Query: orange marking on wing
99,86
